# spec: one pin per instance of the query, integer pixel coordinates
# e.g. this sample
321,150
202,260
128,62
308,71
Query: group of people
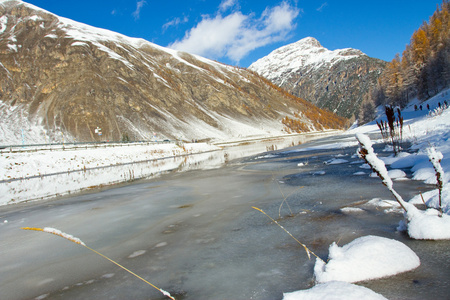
428,106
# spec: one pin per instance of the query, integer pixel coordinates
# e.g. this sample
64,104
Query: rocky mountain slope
63,81
336,80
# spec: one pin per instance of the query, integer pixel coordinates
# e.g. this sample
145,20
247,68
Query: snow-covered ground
372,257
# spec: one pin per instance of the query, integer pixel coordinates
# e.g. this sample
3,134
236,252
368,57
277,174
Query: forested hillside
421,71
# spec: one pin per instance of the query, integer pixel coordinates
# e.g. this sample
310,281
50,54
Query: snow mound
396,174
334,290
365,258
427,225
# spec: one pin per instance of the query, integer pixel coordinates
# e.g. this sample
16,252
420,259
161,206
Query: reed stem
79,242
308,252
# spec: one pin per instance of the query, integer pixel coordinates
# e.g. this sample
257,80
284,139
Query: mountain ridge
301,54
337,80
63,79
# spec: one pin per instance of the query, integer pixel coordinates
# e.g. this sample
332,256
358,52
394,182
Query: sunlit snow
365,258
334,290
373,257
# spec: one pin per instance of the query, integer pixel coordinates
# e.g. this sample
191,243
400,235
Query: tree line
422,71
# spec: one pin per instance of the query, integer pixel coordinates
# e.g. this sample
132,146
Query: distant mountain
336,80
63,80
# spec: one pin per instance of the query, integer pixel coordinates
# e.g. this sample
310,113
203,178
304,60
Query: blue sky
238,32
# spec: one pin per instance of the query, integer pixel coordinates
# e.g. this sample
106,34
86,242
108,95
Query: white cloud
236,35
212,36
175,22
225,4
139,5
320,8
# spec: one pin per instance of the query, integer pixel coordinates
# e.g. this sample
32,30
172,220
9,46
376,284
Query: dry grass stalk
392,129
79,242
284,198
308,252
423,200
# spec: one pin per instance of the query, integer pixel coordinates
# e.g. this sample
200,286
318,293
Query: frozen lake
196,235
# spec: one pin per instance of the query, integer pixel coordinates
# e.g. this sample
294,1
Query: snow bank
366,258
23,175
27,164
396,174
334,290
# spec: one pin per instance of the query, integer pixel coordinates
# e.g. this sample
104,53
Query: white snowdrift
334,290
365,258
427,225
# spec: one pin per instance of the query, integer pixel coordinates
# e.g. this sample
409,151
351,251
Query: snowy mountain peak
308,42
307,52
334,79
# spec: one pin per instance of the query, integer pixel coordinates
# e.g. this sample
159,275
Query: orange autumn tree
423,69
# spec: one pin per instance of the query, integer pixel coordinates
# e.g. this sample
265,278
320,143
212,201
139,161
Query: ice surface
215,247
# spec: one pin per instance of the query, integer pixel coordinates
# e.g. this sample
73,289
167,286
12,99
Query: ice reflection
37,188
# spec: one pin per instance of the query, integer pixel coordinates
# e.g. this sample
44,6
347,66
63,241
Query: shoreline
33,176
